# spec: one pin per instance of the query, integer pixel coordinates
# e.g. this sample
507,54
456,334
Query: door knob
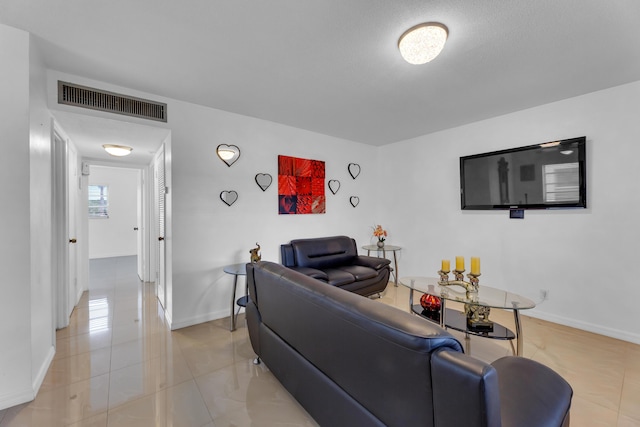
161,238
72,240
135,228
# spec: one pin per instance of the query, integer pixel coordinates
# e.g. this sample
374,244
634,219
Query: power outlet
544,294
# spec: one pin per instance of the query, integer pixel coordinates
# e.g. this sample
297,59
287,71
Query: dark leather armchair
335,260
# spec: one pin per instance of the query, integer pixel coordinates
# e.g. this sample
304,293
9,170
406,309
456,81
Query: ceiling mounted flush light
117,150
422,43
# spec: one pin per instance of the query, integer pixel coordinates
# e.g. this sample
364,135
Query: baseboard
42,372
16,398
585,326
110,255
168,319
207,317
27,395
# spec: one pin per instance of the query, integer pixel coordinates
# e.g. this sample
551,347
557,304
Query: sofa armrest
371,262
461,381
287,255
531,394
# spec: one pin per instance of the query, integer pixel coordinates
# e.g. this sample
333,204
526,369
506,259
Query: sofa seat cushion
312,272
338,277
359,272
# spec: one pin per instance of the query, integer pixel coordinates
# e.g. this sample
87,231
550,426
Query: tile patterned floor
118,365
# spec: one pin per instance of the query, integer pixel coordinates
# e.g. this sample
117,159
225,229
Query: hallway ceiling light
422,43
117,150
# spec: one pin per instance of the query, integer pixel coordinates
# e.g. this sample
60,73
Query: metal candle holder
477,316
471,286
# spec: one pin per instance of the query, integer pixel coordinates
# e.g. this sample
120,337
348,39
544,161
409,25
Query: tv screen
542,176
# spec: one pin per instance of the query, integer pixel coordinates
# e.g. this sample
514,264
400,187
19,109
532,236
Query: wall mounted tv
543,176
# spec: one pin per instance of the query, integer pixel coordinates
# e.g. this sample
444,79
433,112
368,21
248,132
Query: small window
98,201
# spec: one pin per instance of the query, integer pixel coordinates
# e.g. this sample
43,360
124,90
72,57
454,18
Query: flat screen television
542,176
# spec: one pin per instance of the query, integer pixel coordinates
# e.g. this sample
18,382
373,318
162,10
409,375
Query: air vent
86,97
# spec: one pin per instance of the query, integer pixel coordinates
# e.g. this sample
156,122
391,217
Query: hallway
118,365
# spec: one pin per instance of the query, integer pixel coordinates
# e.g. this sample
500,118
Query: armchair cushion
359,272
338,276
312,272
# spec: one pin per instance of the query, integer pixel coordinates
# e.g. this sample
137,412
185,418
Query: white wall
43,337
115,236
207,234
15,304
203,233
26,321
585,258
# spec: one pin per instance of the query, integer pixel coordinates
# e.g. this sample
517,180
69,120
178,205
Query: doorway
85,136
67,190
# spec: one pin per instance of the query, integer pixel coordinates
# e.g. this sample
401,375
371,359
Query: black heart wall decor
229,154
334,185
354,200
264,180
229,197
354,170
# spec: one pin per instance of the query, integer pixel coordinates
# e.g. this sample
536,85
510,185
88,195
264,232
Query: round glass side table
236,270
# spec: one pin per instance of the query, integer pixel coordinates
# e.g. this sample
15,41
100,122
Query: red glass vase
430,302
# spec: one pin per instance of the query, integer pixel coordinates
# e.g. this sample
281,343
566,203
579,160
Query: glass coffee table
457,320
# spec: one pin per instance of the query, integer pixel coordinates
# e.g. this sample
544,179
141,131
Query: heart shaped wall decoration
264,180
354,170
229,197
354,200
229,154
334,185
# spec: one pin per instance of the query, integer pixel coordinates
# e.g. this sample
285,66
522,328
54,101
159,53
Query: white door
160,191
73,200
60,254
139,229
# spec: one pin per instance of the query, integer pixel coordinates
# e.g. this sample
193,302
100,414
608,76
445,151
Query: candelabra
477,315
471,286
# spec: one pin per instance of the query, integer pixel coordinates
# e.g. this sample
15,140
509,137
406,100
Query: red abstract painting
300,186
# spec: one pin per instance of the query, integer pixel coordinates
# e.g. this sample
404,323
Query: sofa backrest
376,353
319,252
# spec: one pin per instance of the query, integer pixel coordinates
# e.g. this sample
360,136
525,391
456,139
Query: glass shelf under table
457,321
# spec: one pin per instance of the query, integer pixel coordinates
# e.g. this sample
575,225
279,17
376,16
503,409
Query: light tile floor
118,365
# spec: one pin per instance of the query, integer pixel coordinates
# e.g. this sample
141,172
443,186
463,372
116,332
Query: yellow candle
475,265
460,263
445,265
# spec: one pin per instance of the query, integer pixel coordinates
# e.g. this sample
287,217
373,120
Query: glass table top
237,269
486,296
384,248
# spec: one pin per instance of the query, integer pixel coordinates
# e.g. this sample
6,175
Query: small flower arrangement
380,233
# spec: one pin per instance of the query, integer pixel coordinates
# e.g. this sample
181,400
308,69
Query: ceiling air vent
86,97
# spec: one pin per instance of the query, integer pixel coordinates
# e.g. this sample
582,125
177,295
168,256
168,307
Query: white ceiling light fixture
117,150
422,43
